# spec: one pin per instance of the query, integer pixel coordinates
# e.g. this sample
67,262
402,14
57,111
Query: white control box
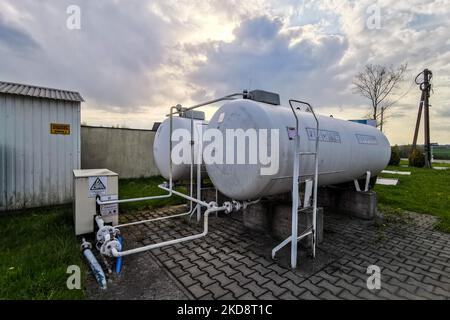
88,186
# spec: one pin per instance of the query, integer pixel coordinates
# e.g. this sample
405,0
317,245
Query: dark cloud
258,29
263,56
15,38
111,60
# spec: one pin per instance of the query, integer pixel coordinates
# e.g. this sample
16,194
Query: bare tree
377,83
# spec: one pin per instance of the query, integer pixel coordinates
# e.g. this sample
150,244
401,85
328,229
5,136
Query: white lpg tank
161,145
347,150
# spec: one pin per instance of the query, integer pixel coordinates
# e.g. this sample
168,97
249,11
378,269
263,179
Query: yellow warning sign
58,128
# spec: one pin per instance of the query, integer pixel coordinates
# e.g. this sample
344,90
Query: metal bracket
367,184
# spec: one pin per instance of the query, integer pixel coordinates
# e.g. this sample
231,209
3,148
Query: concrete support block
258,217
275,219
361,205
282,226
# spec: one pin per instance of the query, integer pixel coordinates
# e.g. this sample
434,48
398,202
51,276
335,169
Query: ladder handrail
295,190
312,111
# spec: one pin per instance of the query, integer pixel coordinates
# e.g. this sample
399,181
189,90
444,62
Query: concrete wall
127,152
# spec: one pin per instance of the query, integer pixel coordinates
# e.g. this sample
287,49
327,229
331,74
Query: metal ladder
311,186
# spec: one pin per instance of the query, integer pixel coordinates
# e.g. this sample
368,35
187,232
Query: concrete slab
401,173
387,182
441,168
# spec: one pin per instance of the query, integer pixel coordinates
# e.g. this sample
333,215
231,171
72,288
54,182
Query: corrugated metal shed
36,165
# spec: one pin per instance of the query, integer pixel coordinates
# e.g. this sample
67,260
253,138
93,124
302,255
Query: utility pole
427,77
425,87
419,117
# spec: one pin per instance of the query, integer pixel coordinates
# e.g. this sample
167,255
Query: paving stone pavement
233,262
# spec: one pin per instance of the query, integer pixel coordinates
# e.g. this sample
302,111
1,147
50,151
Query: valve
107,247
85,245
237,205
229,207
212,205
106,233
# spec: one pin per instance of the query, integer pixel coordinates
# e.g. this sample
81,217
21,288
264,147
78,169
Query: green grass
37,247
441,153
136,188
425,191
435,164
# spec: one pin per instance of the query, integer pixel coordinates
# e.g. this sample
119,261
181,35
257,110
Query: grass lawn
425,191
136,188
441,153
39,245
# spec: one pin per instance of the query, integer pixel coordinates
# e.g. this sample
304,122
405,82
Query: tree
395,156
377,83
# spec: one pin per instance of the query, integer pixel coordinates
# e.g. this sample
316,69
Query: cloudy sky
133,59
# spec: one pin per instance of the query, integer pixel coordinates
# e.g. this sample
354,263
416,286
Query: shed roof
39,92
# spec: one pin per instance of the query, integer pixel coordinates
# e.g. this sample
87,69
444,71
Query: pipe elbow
115,253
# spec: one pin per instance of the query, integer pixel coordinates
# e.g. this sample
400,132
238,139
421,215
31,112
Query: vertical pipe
316,184
295,203
170,148
192,162
199,170
119,259
199,190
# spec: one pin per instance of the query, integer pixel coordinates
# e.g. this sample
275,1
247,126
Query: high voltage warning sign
97,186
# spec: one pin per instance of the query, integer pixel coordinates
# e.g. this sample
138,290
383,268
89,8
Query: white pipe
199,189
99,221
117,254
156,219
229,97
295,202
250,203
182,195
135,199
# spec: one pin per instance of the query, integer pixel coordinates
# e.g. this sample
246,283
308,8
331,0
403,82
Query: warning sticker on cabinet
97,186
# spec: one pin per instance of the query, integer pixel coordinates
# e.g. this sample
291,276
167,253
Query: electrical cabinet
88,186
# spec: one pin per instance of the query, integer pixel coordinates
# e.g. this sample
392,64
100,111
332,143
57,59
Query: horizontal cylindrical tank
161,146
347,150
